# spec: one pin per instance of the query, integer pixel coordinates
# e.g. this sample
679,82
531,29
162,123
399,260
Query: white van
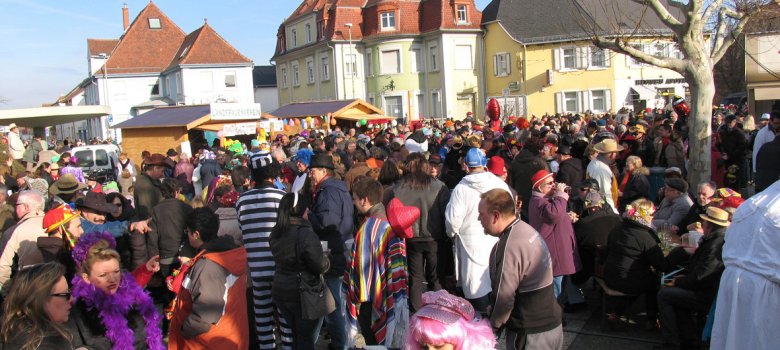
101,161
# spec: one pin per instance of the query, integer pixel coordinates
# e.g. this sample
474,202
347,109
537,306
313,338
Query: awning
645,93
48,116
766,93
355,110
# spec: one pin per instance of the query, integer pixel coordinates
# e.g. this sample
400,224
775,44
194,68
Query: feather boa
113,310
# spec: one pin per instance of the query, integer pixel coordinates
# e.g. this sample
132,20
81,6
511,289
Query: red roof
205,46
143,49
97,46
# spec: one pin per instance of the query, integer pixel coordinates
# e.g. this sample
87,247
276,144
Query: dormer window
388,20
154,23
462,14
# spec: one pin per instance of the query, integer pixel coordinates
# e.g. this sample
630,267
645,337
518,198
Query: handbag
316,299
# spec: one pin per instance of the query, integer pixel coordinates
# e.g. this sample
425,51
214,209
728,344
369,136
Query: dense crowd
440,234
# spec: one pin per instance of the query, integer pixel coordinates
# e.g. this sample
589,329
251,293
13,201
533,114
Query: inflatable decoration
493,112
681,107
363,122
287,128
332,121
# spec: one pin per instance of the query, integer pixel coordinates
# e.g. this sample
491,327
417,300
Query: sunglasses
65,295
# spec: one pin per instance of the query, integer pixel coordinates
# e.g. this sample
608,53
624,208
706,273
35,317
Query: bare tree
703,31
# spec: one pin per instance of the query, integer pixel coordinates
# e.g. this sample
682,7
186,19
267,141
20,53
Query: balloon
304,125
333,121
393,123
363,122
308,120
357,124
297,122
284,121
262,133
287,128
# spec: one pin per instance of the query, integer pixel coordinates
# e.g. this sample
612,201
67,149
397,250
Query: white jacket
601,172
15,145
22,243
472,245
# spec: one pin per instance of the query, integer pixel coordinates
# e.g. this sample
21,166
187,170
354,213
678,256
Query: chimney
125,17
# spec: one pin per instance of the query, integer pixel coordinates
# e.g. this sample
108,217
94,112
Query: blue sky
44,42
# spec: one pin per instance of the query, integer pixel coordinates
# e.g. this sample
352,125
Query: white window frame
462,14
350,65
387,16
607,100
436,107
294,35
325,67
283,72
310,74
382,64
560,101
416,60
296,76
591,63
460,60
235,79
502,65
370,62
573,56
308,33
168,86
433,57
420,100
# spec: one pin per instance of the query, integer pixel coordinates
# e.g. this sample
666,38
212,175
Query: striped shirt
257,209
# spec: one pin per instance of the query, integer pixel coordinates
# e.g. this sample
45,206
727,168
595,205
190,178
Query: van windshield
87,160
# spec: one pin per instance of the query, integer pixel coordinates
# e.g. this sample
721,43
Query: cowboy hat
716,216
66,184
97,202
637,129
156,159
608,146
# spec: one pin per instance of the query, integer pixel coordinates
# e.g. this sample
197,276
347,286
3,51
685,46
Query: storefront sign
659,81
239,129
235,111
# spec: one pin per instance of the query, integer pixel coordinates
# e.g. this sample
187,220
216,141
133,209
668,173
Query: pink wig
463,334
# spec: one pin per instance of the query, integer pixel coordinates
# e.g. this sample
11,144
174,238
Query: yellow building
539,59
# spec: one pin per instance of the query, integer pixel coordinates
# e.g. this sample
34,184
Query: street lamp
352,60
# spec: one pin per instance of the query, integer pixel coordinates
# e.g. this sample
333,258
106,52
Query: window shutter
495,65
608,99
559,102
508,61
584,57
584,103
607,58
557,58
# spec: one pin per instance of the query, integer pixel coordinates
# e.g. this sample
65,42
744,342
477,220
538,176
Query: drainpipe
525,72
482,80
335,71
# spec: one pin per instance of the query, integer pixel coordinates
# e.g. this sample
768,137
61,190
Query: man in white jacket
15,143
472,245
22,242
599,170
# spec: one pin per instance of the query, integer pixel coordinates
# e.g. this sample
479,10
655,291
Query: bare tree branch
714,5
681,6
620,45
725,40
663,13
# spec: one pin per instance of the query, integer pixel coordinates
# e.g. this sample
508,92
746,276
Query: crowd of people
438,234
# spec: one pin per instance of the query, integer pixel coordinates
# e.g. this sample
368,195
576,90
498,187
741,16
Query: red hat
402,218
732,202
496,165
59,216
539,177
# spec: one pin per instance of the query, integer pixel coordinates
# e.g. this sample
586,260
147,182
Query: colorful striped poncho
377,274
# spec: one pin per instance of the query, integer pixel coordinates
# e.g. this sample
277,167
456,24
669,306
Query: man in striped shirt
257,209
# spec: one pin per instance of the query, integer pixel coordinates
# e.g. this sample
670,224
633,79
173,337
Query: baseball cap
475,158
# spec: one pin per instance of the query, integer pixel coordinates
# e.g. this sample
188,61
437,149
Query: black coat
693,216
638,186
632,250
702,275
51,341
592,233
767,167
167,230
571,172
523,167
88,330
297,251
331,218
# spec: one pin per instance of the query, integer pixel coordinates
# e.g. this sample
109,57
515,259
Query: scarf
114,308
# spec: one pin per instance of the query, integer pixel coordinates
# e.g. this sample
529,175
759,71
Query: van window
85,158
101,157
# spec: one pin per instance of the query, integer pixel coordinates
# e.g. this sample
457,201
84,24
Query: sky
44,42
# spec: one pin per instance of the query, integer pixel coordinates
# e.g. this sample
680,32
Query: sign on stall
239,129
235,111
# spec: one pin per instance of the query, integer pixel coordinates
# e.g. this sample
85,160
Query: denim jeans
305,332
336,321
557,285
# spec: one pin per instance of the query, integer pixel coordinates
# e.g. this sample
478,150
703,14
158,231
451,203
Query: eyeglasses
65,295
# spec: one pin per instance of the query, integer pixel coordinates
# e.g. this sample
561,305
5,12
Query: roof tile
205,46
97,46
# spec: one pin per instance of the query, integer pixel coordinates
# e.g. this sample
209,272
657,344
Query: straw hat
608,146
716,216
67,183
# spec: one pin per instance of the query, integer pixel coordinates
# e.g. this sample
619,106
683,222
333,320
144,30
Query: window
388,20
570,101
308,33
350,65
391,62
434,54
154,23
206,81
156,89
325,68
435,104
569,58
630,60
284,77
230,80
462,14
598,57
421,112
598,100
295,76
417,60
501,65
660,50
369,63
394,106
294,38
310,70
168,86
463,57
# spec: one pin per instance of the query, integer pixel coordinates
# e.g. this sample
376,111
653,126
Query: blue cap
475,158
304,156
602,122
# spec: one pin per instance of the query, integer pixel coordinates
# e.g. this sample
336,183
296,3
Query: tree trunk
702,85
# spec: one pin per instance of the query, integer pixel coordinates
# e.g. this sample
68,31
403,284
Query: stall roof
355,109
47,116
186,116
